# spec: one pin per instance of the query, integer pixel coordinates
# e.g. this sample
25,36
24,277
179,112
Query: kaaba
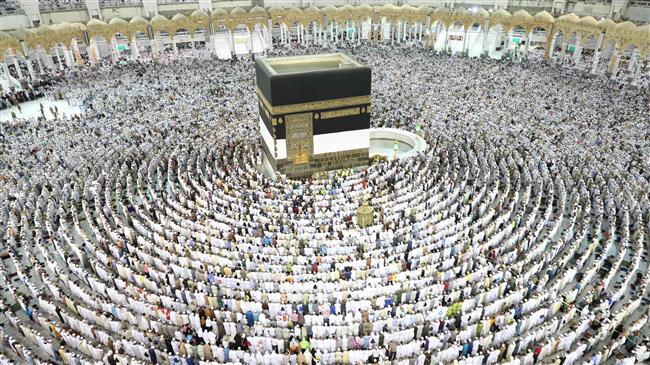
314,113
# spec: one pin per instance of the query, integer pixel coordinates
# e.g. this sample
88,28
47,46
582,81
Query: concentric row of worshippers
143,232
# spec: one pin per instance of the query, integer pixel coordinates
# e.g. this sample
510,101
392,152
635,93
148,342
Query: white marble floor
31,109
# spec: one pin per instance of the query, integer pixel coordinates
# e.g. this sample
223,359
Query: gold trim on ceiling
312,106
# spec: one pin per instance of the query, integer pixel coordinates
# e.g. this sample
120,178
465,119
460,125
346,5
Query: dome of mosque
625,26
140,20
644,30
408,8
588,21
95,22
238,11
364,7
521,14
64,26
257,10
312,10
346,8
571,17
460,11
501,13
23,34
606,23
46,29
121,22
7,41
220,12
423,9
159,19
441,10
480,12
4,37
161,23
201,14
293,9
544,16
78,26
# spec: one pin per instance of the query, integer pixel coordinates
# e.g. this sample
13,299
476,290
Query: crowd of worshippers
220,264
32,90
49,5
9,7
60,4
10,99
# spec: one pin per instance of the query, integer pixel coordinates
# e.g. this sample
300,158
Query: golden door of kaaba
300,139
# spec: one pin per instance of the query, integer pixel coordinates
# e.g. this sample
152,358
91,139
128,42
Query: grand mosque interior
278,182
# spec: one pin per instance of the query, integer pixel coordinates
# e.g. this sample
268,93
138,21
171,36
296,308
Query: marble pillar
358,30
444,48
594,63
135,51
268,38
19,71
92,52
486,31
506,45
494,44
282,34
30,68
214,45
5,69
614,61
116,52
550,44
331,32
597,53
40,65
565,44
398,33
58,57
77,54
155,48
577,55
69,58
465,41
50,61
631,66
637,72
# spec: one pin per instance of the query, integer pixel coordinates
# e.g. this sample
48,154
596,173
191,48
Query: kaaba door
300,139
